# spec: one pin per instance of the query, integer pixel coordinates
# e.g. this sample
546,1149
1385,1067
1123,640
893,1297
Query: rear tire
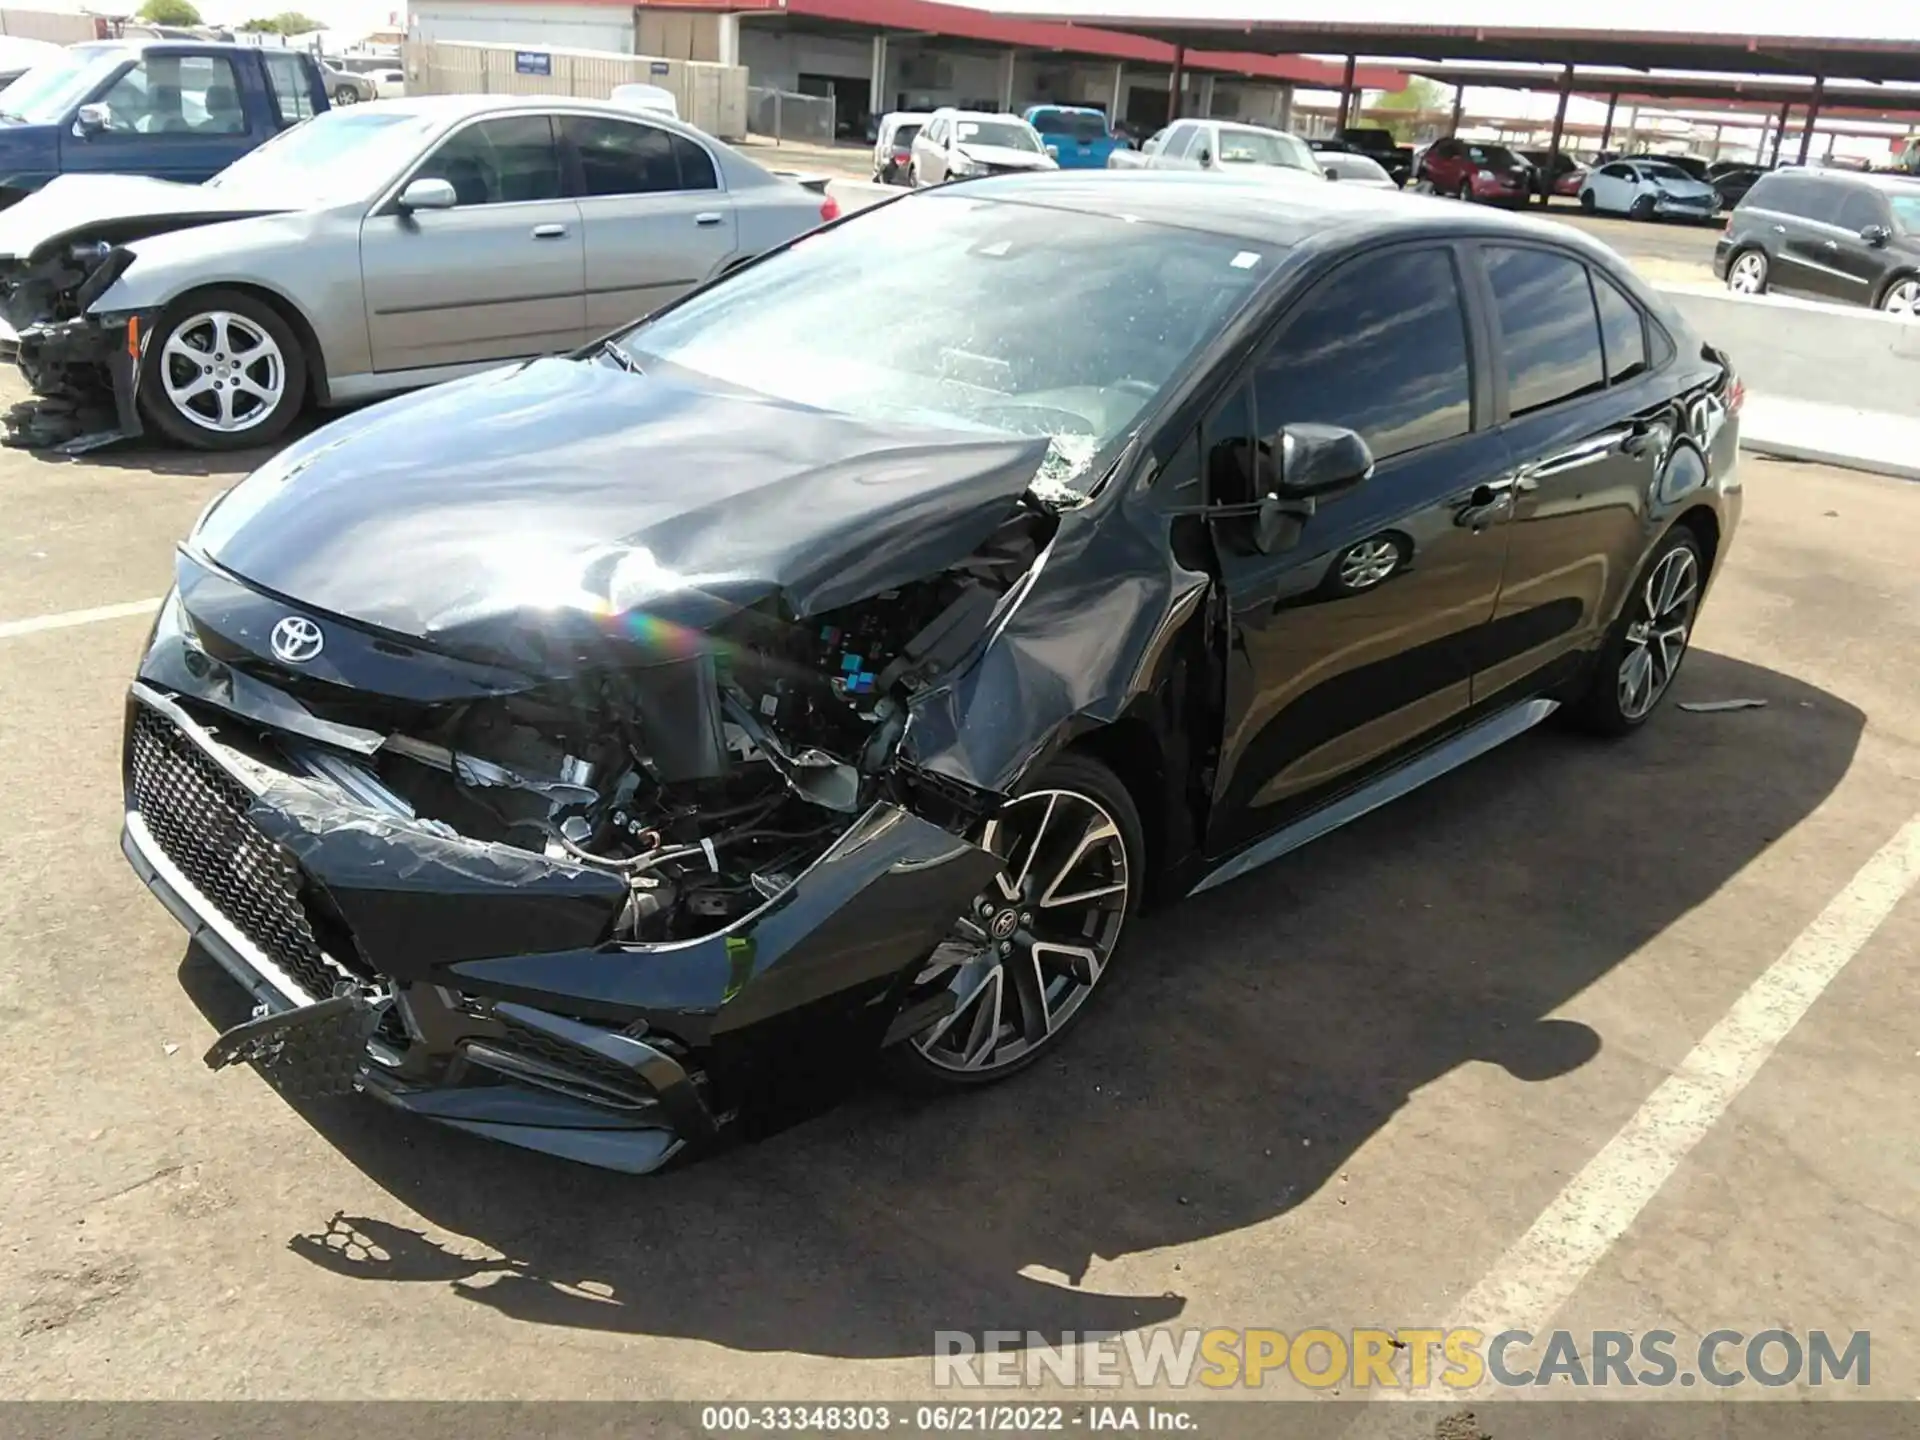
1748,271
1588,204
1027,959
1644,650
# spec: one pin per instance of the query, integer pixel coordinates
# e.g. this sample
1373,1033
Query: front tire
1029,954
1644,650
222,371
346,95
1641,208
1901,297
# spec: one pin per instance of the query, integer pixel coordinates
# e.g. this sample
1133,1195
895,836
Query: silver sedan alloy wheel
1036,941
1902,298
1749,274
1368,563
1657,636
222,372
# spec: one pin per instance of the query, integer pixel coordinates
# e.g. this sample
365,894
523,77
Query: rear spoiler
816,183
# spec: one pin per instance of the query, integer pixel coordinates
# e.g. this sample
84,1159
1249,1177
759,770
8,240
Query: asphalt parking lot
1339,1093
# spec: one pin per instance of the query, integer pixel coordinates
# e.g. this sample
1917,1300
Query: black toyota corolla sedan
599,753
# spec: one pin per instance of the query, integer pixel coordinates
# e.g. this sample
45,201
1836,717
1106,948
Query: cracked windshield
971,315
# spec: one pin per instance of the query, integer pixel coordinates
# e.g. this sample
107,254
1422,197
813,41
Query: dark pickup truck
176,110
1394,158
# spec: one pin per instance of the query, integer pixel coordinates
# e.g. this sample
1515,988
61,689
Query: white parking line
1545,1266
36,623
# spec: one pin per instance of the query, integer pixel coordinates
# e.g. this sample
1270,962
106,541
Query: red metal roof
961,22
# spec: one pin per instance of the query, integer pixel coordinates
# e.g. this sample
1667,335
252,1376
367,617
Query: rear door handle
708,217
1831,244
549,232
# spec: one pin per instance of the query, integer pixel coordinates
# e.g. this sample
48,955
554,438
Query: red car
1466,170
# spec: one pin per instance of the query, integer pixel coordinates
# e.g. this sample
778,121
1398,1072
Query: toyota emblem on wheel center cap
1004,924
296,640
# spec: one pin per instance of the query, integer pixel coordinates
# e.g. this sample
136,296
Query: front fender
313,277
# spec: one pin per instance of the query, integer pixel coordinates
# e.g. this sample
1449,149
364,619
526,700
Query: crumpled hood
529,514
1006,155
116,205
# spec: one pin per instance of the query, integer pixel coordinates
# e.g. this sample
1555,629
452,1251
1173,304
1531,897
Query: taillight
829,209
1736,394
902,157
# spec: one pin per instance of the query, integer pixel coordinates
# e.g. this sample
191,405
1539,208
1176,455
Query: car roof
449,108
1283,214
1877,179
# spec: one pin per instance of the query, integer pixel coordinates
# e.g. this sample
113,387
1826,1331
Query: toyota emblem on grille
296,640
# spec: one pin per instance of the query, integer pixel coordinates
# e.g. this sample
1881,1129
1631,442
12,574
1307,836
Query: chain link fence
788,115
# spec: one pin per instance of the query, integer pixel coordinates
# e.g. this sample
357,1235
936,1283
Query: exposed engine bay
711,777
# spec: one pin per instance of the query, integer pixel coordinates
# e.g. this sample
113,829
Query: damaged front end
81,367
607,909
61,249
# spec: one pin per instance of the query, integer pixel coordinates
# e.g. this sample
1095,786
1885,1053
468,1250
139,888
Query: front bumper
1671,208
90,367
504,1010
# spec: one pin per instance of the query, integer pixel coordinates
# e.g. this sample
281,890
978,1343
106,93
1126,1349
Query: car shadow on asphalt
1254,1040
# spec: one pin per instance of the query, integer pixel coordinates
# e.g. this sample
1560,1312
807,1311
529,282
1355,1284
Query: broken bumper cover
492,1000
87,363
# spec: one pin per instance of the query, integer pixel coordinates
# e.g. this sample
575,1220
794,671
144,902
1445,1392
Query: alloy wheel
223,372
1368,563
1036,941
1902,298
1749,274
1657,637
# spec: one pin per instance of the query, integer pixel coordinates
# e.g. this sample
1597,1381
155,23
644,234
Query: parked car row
977,142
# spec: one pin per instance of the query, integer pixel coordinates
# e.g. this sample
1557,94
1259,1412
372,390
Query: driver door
501,276
1353,641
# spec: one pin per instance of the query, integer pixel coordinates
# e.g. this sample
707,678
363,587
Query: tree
169,12
1417,95
288,22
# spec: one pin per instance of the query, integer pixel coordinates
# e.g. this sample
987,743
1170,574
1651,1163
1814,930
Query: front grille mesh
197,813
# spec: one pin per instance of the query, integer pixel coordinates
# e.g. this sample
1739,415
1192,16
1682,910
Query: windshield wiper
613,352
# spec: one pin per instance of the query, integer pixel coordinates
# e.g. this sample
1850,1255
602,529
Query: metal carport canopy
1861,39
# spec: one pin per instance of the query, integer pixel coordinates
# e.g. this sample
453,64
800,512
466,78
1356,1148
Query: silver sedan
371,250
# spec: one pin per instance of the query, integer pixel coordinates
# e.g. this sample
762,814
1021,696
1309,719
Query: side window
1179,141
1617,172
1549,333
1859,209
287,79
1380,346
496,162
696,165
1623,335
620,158
172,94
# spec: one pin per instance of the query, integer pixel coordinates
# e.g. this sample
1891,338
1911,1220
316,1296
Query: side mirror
90,120
427,194
1876,235
1320,459
1206,158
1332,174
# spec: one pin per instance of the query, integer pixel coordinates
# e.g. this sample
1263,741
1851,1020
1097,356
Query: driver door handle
708,217
550,232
